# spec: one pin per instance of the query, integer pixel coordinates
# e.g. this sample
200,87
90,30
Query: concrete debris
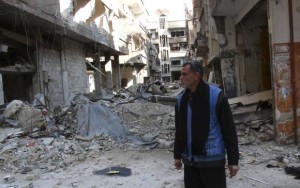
254,120
141,116
19,68
9,179
153,88
32,177
149,120
49,140
20,65
252,98
12,108
30,117
39,101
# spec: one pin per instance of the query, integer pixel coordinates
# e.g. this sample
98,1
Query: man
204,132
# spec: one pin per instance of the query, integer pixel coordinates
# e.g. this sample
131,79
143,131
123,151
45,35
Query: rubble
86,129
9,179
253,117
12,108
49,140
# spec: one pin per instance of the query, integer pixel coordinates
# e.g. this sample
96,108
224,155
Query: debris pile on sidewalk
253,117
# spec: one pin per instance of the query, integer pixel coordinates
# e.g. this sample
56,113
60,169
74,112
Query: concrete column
1,90
98,76
108,73
134,75
116,72
228,76
237,77
64,72
286,69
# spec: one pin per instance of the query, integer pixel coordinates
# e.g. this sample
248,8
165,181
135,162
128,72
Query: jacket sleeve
228,129
177,154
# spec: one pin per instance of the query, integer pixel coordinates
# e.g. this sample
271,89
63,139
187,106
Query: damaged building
135,67
251,47
169,37
45,47
84,46
88,89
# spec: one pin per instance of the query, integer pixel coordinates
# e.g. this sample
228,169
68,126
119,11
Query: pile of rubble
149,120
253,117
48,142
40,140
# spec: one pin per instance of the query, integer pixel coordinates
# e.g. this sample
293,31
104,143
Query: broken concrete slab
265,114
12,108
9,179
166,100
252,98
5,132
29,117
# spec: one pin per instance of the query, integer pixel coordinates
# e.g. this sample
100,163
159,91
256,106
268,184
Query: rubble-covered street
67,147
88,91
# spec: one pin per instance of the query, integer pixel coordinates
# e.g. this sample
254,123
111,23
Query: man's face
188,78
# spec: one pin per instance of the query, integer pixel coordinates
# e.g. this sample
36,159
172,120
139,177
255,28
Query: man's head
191,74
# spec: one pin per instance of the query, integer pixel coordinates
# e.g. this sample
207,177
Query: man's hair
195,66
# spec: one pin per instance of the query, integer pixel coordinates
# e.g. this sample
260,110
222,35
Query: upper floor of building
86,21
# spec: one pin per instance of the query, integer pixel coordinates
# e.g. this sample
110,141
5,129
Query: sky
174,7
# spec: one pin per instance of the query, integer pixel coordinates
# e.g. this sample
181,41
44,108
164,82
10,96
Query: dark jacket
200,125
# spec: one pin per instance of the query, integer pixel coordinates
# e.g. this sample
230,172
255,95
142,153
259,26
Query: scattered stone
32,177
9,147
81,157
9,179
29,185
69,160
48,141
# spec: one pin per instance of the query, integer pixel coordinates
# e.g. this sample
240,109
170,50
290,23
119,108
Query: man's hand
178,164
233,170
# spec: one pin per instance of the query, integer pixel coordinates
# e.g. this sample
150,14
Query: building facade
60,47
169,38
135,67
250,46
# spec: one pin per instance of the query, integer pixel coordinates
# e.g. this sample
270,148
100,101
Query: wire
27,41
